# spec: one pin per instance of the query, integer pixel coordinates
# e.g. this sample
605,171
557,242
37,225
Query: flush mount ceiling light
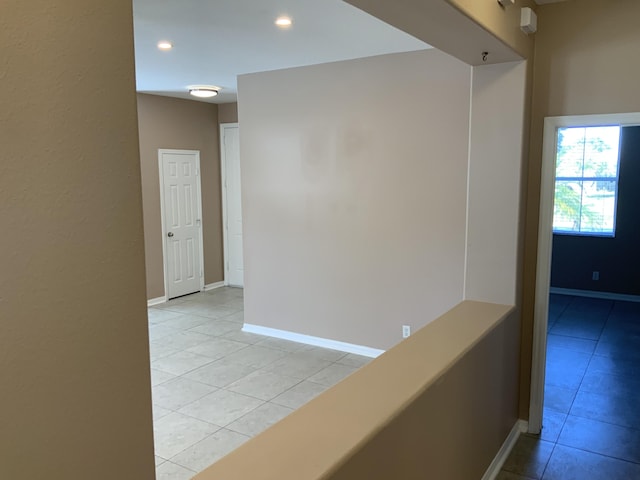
203,91
164,45
284,21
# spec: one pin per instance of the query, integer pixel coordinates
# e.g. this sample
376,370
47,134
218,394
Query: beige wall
462,28
228,113
453,428
495,168
74,358
585,62
184,125
354,195
444,417
504,23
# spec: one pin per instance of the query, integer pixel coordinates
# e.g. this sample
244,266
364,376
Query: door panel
181,186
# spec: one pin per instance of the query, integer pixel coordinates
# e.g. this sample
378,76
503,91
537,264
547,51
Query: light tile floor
214,386
591,419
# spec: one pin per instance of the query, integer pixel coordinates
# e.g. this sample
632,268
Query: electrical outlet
595,276
406,331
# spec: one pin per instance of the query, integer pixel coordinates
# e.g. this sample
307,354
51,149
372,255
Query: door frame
545,242
165,266
223,189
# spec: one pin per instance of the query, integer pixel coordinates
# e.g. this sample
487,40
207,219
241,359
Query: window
587,165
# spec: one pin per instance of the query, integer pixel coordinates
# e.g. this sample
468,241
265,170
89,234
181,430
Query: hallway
591,418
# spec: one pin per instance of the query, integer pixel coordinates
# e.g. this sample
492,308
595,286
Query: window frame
584,179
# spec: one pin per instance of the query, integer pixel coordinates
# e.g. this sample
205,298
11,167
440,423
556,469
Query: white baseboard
315,341
593,294
213,286
156,301
494,469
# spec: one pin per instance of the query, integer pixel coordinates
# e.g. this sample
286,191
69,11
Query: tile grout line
196,309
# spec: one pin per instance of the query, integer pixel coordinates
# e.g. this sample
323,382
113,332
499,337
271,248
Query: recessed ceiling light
203,91
284,22
164,45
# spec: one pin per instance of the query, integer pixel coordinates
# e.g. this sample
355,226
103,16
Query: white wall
495,159
354,195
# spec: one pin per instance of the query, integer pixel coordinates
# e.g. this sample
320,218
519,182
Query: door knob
170,234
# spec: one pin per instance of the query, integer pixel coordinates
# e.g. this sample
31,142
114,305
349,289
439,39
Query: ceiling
216,40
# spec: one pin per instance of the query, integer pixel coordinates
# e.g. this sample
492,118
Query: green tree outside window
587,163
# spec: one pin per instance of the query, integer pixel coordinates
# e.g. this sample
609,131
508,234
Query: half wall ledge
439,405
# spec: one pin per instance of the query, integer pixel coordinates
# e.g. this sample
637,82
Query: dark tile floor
592,396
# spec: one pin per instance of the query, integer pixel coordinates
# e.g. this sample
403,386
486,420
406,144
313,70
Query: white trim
545,235
466,220
223,188
162,226
543,278
156,301
161,151
593,294
502,455
311,340
213,286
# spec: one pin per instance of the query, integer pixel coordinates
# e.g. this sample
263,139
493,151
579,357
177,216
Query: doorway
181,214
545,237
231,204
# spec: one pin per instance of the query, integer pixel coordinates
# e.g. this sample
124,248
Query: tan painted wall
498,107
445,26
184,125
74,357
504,23
464,28
444,417
354,201
228,113
585,63
454,428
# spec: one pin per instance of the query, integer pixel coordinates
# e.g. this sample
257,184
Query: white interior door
232,204
182,225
